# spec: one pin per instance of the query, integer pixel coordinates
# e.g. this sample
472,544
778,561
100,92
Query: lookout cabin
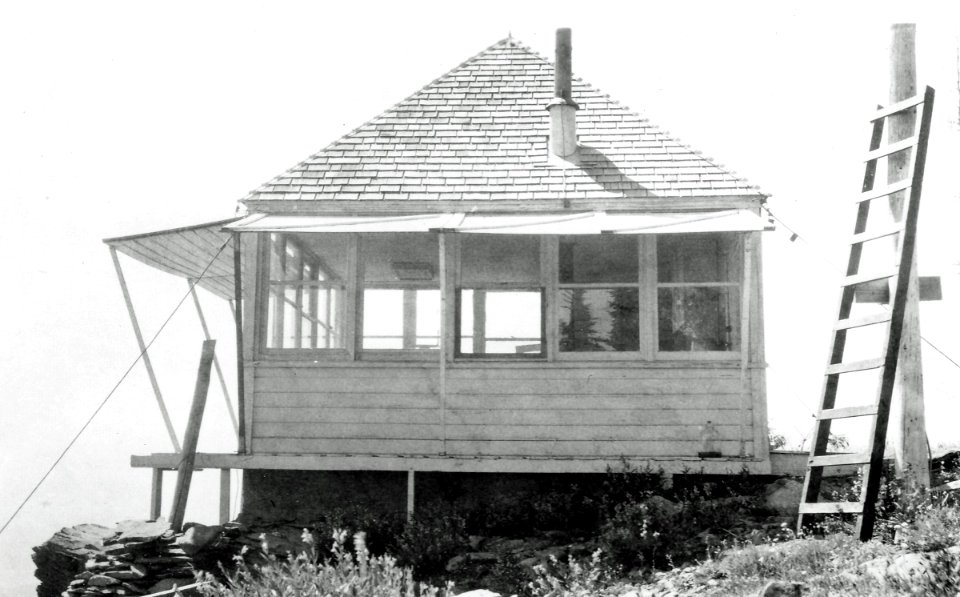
506,272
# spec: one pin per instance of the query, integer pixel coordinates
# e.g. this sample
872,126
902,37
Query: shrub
356,574
429,540
575,579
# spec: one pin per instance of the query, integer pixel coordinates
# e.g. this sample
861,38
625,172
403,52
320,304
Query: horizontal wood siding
497,410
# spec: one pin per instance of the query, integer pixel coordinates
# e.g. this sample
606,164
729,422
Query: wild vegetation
646,537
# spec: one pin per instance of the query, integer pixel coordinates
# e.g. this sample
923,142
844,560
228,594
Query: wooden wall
550,409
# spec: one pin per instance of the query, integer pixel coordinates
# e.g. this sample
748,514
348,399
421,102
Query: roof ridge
505,41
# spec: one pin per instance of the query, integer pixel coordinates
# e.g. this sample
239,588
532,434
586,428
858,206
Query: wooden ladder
872,459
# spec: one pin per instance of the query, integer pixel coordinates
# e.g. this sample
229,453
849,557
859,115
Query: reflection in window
599,301
698,295
500,322
401,292
500,297
305,297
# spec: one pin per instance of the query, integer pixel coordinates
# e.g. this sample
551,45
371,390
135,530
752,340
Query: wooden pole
143,350
189,454
411,494
216,362
224,495
910,444
444,313
238,321
156,494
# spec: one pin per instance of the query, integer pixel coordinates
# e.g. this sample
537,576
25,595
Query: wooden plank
625,368
628,417
848,412
856,322
452,463
874,235
411,447
585,448
224,495
899,106
862,278
891,148
358,400
839,459
831,508
890,189
278,414
148,365
192,434
411,494
237,305
347,430
864,365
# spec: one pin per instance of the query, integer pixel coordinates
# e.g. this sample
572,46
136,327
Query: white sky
123,117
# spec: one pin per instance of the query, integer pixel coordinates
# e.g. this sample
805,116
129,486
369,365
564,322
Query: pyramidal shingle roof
478,136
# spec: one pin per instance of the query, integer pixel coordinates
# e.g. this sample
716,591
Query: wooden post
238,321
143,351
156,494
746,289
444,310
189,454
411,495
910,444
224,495
216,362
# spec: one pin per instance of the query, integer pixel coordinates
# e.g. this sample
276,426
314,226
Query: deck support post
411,494
156,493
745,377
192,284
444,314
237,305
224,495
143,351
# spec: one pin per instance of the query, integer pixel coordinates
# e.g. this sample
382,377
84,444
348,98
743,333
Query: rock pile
138,558
61,558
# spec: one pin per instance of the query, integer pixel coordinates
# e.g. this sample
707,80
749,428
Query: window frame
699,355
345,308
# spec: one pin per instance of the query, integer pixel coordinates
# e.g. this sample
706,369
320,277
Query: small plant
429,540
575,579
356,574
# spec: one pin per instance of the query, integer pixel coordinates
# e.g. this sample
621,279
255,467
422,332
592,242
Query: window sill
399,355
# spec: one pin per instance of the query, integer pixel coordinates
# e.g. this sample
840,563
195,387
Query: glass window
698,292
401,291
307,280
500,297
599,300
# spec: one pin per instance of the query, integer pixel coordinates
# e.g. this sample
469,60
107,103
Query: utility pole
910,444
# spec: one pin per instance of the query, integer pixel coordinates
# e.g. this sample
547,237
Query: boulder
479,593
197,537
171,583
783,496
138,531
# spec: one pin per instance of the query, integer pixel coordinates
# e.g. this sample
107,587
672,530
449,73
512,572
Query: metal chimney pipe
562,83
563,117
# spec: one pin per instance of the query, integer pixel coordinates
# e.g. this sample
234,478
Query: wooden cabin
506,272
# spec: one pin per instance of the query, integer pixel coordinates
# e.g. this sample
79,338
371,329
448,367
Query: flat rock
779,588
101,580
197,537
479,593
138,531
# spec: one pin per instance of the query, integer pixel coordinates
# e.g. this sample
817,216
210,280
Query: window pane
589,259
401,318
599,319
697,319
308,277
712,257
496,258
382,319
501,322
400,257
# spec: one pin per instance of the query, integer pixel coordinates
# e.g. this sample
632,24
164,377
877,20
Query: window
306,285
599,294
500,297
401,292
698,292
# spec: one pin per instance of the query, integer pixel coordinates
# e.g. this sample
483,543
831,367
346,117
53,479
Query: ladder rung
864,365
838,460
861,278
847,412
897,107
884,191
867,236
891,148
857,322
831,508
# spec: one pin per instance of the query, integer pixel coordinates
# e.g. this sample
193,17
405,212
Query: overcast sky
117,118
